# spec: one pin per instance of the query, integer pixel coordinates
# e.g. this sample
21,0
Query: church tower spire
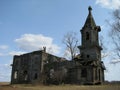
92,68
90,48
90,20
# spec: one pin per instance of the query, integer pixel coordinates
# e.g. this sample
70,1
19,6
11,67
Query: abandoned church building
42,67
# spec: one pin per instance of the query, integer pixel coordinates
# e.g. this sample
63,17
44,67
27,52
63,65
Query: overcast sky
28,25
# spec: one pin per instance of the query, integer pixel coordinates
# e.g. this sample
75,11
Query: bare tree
71,42
114,24
105,53
115,31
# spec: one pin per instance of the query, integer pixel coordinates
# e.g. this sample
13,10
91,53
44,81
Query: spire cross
89,8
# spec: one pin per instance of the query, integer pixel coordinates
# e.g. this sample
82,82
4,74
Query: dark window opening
35,76
96,77
25,75
84,73
99,75
87,36
88,56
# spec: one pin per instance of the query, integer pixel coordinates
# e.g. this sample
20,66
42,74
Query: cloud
1,54
3,46
12,53
16,53
67,54
110,4
31,42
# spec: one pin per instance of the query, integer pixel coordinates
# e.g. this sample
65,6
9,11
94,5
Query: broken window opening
35,76
84,73
25,75
88,56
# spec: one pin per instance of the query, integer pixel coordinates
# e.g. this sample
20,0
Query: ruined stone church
44,68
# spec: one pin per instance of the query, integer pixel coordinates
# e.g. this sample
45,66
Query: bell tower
90,48
91,66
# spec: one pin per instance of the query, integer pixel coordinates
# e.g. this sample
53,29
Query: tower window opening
87,36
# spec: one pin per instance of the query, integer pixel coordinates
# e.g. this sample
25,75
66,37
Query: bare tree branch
71,42
115,31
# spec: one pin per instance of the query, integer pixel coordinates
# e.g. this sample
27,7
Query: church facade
45,68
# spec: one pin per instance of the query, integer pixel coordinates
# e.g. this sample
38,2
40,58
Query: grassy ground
4,86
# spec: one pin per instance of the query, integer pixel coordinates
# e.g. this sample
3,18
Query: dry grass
4,83
60,87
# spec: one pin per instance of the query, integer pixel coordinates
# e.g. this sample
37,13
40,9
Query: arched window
15,74
87,36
